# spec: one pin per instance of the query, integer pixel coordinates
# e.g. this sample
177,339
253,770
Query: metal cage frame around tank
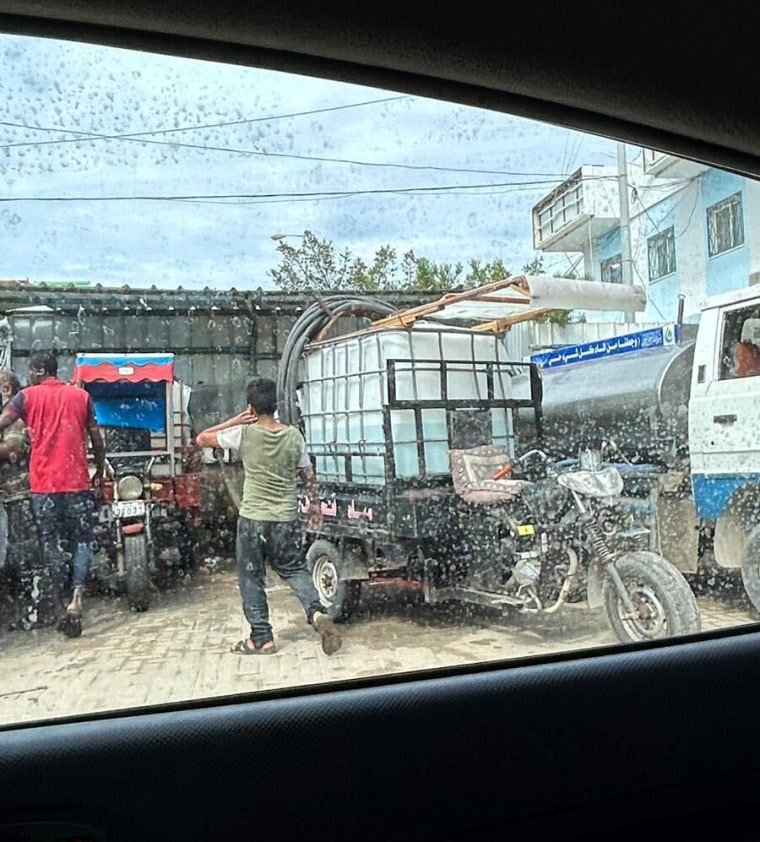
488,400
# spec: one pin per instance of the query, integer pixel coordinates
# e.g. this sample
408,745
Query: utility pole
626,261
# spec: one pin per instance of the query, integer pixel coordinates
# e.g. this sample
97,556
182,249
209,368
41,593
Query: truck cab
724,433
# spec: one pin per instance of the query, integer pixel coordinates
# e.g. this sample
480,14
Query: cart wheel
137,572
339,595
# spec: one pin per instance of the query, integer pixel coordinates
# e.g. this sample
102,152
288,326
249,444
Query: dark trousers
64,522
279,544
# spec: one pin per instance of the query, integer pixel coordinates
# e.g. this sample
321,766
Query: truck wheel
137,572
751,567
339,595
664,604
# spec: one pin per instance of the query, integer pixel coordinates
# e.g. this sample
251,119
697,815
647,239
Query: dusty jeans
259,542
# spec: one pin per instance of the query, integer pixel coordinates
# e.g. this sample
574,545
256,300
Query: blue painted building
692,230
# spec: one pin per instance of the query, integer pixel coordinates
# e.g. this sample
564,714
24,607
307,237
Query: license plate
525,530
129,508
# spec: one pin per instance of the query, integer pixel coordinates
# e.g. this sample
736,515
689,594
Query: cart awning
125,368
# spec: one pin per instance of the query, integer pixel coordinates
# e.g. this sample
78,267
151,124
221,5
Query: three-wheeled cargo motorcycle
412,436
151,495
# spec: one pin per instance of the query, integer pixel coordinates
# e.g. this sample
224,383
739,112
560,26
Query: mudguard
595,581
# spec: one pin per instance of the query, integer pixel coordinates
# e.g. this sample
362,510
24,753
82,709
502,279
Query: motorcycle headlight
591,460
129,488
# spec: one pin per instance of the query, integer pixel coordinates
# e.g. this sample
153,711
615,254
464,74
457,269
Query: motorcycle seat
472,471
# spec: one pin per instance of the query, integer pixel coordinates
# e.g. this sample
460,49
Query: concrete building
693,230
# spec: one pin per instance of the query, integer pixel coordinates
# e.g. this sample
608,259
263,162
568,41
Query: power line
697,194
143,137
244,203
564,154
86,137
297,195
647,284
266,198
225,124
331,197
672,210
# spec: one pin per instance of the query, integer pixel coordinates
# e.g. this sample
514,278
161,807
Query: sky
119,167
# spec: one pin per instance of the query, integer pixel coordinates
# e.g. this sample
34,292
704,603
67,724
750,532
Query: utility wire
189,128
450,189
297,195
144,137
86,137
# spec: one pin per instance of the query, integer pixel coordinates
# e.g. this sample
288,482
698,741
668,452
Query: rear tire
751,567
665,605
137,572
339,596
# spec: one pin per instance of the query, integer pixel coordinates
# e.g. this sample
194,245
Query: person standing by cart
274,456
60,418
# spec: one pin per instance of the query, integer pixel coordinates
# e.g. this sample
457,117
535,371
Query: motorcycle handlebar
534,452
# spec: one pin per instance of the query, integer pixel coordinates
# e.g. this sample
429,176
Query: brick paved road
179,649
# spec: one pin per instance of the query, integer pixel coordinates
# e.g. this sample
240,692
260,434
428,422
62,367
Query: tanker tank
638,400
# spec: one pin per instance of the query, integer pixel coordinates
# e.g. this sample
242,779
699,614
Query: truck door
724,428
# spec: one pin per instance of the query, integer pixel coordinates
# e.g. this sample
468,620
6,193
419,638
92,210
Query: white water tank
345,389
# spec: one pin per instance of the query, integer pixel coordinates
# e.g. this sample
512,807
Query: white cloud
100,91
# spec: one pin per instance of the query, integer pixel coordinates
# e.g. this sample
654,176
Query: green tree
535,266
430,275
481,274
316,265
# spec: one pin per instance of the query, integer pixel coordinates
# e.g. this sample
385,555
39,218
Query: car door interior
657,739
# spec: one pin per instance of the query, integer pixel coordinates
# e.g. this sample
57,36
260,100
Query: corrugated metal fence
219,338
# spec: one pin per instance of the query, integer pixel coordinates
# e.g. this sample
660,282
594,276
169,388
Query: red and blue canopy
124,368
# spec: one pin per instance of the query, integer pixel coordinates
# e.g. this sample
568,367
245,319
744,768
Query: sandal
71,624
242,647
327,630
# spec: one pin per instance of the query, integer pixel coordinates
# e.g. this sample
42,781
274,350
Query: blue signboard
657,337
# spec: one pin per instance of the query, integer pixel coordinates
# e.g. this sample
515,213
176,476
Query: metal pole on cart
168,411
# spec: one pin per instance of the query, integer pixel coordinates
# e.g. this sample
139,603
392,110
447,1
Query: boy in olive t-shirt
274,456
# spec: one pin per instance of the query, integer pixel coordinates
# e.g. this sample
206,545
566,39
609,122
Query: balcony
664,165
579,211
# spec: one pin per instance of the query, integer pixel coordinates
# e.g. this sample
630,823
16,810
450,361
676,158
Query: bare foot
75,606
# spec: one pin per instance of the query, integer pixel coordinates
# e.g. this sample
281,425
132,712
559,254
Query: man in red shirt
59,418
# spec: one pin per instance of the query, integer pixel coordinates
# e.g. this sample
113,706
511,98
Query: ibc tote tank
345,387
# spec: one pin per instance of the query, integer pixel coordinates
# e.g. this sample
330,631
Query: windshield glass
240,418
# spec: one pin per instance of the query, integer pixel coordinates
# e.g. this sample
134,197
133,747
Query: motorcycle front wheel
663,602
137,572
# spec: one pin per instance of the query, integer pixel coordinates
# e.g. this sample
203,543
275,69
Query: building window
725,225
612,269
662,254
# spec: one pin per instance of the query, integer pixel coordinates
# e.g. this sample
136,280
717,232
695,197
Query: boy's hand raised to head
244,417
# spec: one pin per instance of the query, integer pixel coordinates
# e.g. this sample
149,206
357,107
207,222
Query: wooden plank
501,325
407,317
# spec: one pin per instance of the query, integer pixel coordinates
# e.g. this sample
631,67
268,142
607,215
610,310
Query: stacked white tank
345,387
